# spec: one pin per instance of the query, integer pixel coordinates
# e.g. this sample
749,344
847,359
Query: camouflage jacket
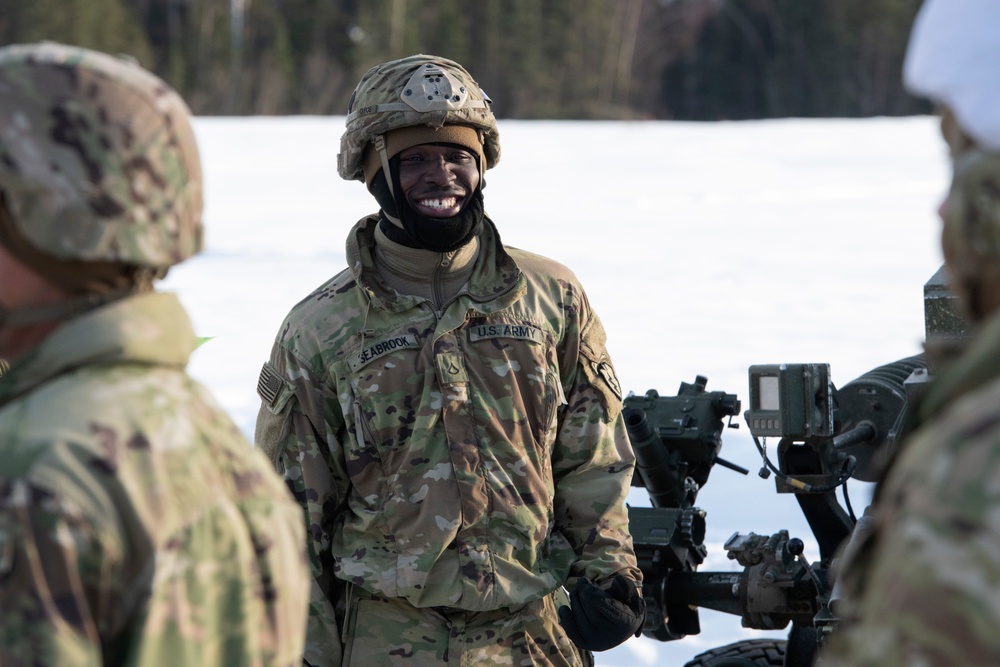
473,458
137,525
922,589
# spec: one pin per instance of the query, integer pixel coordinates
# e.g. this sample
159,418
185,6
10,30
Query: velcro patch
606,372
269,385
373,351
601,375
506,330
451,369
598,369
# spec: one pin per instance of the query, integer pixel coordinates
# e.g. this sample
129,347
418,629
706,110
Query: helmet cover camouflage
98,160
417,90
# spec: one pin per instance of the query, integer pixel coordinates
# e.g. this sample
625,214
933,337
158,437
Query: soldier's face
970,233
438,180
20,287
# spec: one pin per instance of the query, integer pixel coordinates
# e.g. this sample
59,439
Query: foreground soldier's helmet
419,90
98,160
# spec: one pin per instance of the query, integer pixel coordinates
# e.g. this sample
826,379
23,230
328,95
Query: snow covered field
704,247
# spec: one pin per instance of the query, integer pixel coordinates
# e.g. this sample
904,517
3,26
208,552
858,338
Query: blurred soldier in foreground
137,526
447,414
924,588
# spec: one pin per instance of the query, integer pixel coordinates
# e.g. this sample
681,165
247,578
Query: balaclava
399,221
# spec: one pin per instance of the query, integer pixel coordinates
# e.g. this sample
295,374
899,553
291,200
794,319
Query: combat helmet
419,90
98,160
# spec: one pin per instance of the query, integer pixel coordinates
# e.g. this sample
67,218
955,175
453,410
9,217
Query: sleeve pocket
597,368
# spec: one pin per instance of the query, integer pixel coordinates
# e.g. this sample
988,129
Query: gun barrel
732,466
879,398
659,474
708,590
863,432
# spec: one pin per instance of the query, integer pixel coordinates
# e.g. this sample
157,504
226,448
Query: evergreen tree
105,25
697,59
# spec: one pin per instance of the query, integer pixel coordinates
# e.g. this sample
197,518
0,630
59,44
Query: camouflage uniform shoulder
318,324
579,323
332,290
144,467
79,432
69,403
96,398
534,266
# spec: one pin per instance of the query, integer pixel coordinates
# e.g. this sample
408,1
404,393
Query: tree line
537,59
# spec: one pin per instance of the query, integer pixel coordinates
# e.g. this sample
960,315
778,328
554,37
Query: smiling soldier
446,413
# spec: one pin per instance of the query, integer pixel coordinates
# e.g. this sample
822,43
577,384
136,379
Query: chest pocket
388,384
514,379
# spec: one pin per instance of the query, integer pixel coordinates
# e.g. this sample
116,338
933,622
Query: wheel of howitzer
747,653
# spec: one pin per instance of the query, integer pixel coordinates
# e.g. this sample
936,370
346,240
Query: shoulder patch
273,390
602,377
598,368
269,385
606,372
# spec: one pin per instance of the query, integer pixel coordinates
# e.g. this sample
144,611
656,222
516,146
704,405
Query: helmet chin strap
383,156
482,160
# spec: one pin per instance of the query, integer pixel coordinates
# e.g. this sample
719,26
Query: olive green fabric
471,457
384,632
138,527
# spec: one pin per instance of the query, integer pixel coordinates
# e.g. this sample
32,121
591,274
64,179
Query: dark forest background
552,59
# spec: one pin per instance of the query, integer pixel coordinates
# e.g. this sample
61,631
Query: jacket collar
150,328
495,283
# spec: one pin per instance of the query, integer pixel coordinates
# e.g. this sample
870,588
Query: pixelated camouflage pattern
138,527
478,462
391,632
924,588
98,159
384,84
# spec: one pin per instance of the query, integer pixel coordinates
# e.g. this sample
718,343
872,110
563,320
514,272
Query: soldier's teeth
439,203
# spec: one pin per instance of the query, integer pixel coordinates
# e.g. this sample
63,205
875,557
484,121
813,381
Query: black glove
602,617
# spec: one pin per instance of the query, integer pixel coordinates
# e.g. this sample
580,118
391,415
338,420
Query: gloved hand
602,617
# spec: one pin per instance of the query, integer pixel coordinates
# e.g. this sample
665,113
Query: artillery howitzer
826,436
